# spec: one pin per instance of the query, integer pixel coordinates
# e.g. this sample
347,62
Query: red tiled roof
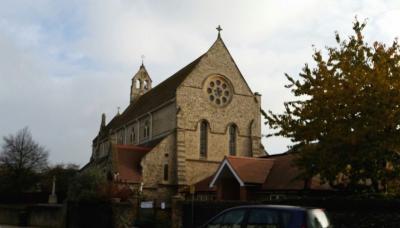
202,186
284,175
127,162
251,170
275,172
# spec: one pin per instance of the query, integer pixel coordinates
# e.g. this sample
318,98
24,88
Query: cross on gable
219,29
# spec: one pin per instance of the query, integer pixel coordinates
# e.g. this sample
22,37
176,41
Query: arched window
146,129
203,138
232,139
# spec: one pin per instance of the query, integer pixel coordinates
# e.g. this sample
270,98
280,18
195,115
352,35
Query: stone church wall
153,169
159,122
153,162
218,144
180,150
200,169
243,110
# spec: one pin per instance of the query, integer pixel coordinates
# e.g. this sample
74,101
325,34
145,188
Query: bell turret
141,83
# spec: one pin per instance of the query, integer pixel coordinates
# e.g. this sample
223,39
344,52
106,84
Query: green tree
345,120
64,175
89,185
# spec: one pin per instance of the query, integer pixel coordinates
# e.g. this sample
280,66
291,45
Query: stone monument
53,196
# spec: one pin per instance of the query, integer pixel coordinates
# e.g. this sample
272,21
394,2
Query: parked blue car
270,216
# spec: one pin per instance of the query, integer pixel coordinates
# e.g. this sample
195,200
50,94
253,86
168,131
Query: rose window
218,90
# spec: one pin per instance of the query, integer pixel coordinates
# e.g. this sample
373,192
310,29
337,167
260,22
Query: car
270,216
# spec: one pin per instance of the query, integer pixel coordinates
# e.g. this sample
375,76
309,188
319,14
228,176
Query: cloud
64,63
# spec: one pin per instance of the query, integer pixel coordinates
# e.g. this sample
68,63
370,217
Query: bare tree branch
21,153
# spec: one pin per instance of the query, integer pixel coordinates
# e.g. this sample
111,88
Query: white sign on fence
146,204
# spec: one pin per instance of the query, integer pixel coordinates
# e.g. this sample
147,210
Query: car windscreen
229,219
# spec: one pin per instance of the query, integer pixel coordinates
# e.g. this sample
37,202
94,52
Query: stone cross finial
219,29
142,56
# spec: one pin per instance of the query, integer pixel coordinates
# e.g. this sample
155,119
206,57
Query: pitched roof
142,73
251,170
275,172
158,95
284,175
245,169
234,63
127,162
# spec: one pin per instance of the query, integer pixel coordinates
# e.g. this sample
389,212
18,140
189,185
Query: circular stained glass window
218,90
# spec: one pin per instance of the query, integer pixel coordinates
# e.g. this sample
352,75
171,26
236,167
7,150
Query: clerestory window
146,129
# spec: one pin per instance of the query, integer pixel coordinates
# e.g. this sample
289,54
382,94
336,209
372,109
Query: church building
177,133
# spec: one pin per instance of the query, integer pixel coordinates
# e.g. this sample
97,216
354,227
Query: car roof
278,207
296,209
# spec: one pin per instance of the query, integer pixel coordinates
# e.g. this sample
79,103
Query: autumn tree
345,120
21,159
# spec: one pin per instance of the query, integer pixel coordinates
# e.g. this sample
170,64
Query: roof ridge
219,39
249,158
168,79
170,84
278,155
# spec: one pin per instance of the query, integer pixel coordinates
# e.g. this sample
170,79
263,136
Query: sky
63,63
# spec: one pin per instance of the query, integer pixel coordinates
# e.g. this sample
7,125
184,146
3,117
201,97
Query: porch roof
246,170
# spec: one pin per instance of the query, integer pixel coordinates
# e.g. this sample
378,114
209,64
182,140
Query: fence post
176,211
136,206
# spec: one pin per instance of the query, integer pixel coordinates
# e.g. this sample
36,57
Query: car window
230,219
217,222
318,219
286,218
266,218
